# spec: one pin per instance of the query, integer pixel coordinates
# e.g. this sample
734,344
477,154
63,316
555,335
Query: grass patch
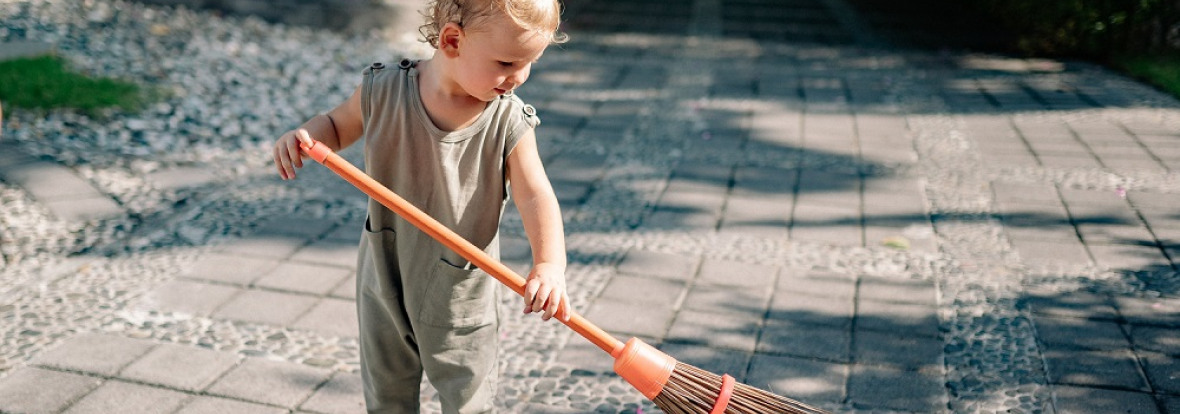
47,82
1161,71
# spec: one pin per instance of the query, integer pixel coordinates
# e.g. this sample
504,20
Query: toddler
448,135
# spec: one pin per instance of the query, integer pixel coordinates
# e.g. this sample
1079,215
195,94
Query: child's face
497,58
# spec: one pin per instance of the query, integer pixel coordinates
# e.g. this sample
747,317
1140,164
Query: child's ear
449,38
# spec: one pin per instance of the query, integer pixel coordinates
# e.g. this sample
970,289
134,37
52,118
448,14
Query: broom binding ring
724,395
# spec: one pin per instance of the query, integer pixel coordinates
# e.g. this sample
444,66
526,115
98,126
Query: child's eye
505,64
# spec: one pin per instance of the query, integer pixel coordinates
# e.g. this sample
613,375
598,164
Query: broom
675,387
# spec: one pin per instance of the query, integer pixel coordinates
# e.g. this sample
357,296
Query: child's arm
545,286
338,129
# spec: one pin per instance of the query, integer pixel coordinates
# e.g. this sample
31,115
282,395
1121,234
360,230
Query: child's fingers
542,297
279,163
293,150
564,312
303,137
282,162
530,294
553,305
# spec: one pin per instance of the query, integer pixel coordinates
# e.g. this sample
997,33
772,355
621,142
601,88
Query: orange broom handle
324,155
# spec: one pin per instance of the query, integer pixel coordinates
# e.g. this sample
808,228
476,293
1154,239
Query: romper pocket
377,262
458,298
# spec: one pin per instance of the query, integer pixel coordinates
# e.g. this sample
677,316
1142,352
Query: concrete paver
270,382
765,206
95,354
118,396
34,389
180,367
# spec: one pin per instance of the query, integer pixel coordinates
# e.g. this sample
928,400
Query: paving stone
583,355
347,232
1076,160
533,408
1080,333
304,278
94,353
726,299
897,317
837,232
230,269
1146,163
1135,235
214,405
1081,400
48,181
680,220
898,290
86,208
329,252
1166,340
124,397
614,316
1171,405
189,297
32,389
264,246
748,211
658,265
817,283
719,330
787,338
1163,372
806,380
278,383
880,387
178,178
765,183
737,274
806,308
300,227
691,200
1071,304
1095,368
715,360
332,317
900,351
180,367
347,288
1150,311
1049,253
343,394
1128,257
645,290
266,307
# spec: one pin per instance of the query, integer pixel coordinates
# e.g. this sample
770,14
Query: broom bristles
691,390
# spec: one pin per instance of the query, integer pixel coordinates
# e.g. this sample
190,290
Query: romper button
529,110
378,65
405,64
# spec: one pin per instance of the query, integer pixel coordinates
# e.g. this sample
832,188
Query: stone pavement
758,188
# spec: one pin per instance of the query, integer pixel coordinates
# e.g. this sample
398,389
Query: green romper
422,307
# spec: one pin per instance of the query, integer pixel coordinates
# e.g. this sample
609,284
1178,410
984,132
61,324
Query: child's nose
519,77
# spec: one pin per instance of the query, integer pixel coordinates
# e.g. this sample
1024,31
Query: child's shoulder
513,106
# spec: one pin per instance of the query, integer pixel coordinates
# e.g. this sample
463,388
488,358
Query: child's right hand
287,154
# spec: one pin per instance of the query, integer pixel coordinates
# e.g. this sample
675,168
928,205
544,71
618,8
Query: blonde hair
543,16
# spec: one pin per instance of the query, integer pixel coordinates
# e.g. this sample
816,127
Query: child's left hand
544,291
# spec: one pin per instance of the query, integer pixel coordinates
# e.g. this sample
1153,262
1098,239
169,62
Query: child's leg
390,367
456,330
461,364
